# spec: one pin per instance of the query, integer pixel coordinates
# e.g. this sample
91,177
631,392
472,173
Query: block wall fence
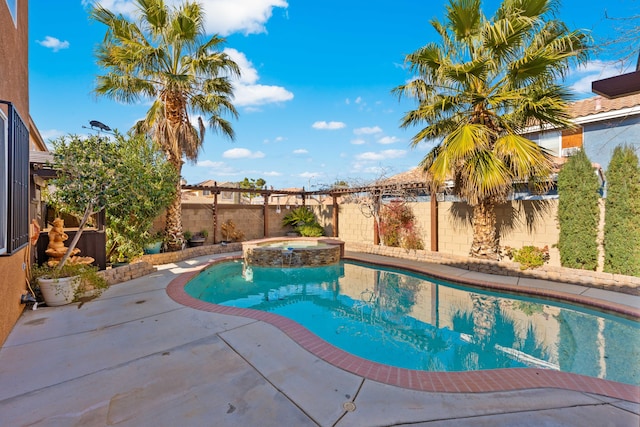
520,223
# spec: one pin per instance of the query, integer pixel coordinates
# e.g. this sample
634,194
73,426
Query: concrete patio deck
136,357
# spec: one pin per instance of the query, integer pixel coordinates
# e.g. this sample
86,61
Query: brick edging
496,380
608,281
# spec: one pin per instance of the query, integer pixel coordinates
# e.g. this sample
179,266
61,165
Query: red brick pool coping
440,382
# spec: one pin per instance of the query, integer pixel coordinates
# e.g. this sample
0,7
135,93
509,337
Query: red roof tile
599,104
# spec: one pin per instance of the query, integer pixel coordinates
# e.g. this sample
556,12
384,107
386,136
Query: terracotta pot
58,291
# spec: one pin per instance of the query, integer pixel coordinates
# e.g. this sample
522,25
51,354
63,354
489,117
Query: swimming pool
410,321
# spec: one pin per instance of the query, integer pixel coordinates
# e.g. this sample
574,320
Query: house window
572,138
4,175
550,140
14,181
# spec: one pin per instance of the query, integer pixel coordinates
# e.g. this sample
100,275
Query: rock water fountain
287,252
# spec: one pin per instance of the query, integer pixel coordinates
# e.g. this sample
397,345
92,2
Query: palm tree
477,91
166,56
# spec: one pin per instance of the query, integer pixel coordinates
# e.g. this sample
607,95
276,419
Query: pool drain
349,406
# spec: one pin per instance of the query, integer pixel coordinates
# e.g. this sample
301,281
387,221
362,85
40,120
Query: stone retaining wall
296,257
145,264
613,282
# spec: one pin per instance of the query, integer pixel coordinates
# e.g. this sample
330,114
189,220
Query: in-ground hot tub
292,252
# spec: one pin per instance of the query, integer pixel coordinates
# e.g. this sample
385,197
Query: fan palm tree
166,57
477,91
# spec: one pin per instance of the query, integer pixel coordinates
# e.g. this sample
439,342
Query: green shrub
622,214
578,213
310,230
528,256
299,216
398,226
304,221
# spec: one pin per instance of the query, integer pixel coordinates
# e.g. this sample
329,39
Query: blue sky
314,99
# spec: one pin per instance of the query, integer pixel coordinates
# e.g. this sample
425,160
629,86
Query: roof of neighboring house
36,141
621,85
599,104
212,183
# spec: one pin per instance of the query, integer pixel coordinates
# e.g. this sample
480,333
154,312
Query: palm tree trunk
173,226
485,237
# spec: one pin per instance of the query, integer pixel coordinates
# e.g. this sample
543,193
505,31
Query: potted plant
196,239
154,244
85,178
230,233
67,284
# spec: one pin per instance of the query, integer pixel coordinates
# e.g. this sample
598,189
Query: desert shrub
398,226
230,233
529,256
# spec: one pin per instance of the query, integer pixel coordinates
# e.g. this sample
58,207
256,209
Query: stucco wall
14,87
600,139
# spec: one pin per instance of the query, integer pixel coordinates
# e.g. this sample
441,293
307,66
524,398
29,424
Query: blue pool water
410,321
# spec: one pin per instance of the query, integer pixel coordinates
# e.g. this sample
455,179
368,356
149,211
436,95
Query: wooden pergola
378,191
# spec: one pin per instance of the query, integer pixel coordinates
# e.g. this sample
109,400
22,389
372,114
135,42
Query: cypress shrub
578,213
622,217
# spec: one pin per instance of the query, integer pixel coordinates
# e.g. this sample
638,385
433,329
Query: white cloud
221,168
50,134
358,141
367,130
381,155
125,7
300,151
310,175
246,90
388,140
225,17
221,16
272,173
54,43
210,164
243,16
593,70
242,153
253,95
328,125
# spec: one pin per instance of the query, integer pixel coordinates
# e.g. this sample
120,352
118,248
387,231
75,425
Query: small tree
145,186
252,184
85,179
578,213
622,217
